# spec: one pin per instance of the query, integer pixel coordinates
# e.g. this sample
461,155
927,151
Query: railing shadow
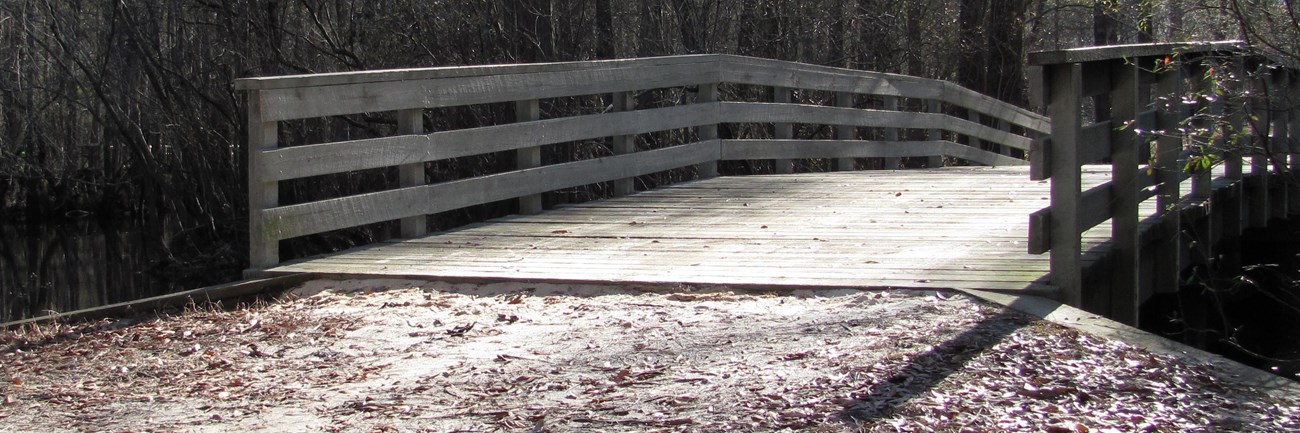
925,371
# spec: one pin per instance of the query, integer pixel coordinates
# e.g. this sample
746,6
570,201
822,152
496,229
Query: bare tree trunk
604,30
972,64
1006,44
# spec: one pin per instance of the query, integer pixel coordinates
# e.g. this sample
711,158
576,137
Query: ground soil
410,356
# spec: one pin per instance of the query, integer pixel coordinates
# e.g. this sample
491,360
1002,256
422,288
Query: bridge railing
916,117
1158,115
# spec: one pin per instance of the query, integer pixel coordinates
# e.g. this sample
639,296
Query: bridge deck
961,227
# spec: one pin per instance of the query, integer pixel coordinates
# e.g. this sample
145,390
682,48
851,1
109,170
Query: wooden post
1280,114
528,157
1002,148
782,130
1292,147
844,132
1168,173
1066,86
974,116
708,93
1126,99
263,244
1257,184
411,122
891,134
624,144
934,161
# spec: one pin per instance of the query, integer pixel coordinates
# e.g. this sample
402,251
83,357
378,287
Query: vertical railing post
844,132
708,93
263,244
1064,94
624,144
782,130
891,134
974,116
411,122
1259,180
1169,146
934,134
1279,113
1125,97
528,157
1292,146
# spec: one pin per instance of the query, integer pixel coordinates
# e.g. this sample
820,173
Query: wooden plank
1063,107
844,132
317,159
263,189
316,217
624,144
298,103
411,74
411,122
1126,98
528,157
1169,174
1096,140
935,107
768,149
747,70
891,134
751,112
1119,52
707,132
782,130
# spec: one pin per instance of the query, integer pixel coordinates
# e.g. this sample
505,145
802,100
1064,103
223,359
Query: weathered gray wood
936,107
528,157
707,132
844,132
411,122
624,144
414,74
974,116
318,159
297,103
782,130
1096,141
798,113
765,72
1065,81
303,219
1119,52
1169,174
848,149
891,134
640,239
263,192
1125,99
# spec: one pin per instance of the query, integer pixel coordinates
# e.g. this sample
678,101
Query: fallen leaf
460,330
559,232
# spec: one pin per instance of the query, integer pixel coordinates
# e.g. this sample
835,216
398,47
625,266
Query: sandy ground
415,356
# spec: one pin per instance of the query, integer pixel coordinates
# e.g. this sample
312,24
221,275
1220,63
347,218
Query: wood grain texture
303,219
950,227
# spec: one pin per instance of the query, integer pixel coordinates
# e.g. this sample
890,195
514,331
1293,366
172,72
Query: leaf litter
392,355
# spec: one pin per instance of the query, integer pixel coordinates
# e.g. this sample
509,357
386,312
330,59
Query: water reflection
74,265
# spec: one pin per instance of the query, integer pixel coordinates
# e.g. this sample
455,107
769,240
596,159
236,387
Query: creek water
65,266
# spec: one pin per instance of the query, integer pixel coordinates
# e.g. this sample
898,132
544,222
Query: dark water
86,263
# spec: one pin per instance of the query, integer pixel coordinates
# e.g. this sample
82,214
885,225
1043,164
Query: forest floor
408,356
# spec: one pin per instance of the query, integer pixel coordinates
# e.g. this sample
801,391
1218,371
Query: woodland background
125,109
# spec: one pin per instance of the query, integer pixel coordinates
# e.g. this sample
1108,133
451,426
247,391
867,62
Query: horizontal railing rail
946,120
1161,114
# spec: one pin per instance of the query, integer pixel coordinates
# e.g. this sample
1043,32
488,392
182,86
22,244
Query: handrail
409,92
1146,89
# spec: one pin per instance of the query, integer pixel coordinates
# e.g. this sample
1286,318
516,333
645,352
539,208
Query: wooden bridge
873,180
